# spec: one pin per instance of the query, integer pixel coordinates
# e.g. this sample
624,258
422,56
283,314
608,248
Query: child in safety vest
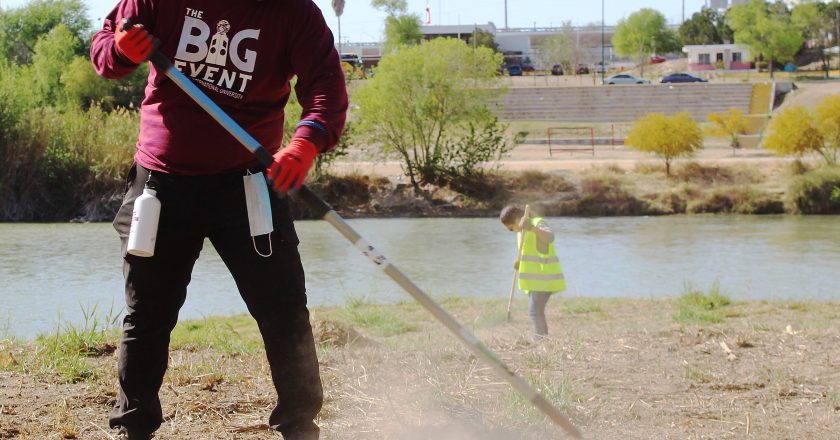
540,274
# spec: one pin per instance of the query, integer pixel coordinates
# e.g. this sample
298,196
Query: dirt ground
620,369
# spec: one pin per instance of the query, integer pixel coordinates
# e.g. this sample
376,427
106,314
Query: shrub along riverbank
604,191
76,192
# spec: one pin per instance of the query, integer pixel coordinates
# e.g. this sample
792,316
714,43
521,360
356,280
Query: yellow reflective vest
539,272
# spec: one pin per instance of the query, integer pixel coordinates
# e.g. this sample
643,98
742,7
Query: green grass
64,352
231,335
582,307
834,398
379,319
696,374
799,306
696,307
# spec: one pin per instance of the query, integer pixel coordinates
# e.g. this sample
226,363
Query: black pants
193,208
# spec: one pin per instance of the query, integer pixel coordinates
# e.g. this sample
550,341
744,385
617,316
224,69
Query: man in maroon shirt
243,55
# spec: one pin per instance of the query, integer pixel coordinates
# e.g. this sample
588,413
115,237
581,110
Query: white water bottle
144,223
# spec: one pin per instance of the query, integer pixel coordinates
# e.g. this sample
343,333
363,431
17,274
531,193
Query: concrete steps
617,103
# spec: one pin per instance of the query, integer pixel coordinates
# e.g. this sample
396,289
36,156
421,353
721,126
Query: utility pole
603,42
506,15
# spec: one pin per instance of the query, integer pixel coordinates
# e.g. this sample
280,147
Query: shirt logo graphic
219,44
225,64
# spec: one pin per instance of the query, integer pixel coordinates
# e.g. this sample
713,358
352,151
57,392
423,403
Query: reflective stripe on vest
539,272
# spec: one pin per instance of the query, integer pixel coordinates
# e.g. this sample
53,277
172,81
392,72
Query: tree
482,38
705,27
401,28
812,19
562,48
642,34
731,124
828,122
794,132
766,29
53,53
668,137
83,88
20,28
426,103
391,7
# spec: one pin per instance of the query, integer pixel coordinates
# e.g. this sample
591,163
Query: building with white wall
713,56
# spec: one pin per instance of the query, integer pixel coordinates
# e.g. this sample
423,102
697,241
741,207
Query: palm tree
338,7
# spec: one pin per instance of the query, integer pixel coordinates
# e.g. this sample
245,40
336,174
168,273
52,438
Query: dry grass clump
346,190
607,195
539,181
736,200
337,334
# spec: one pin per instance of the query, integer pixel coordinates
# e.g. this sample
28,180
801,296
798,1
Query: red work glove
291,164
134,43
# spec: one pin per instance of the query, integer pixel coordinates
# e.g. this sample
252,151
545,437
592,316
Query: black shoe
131,434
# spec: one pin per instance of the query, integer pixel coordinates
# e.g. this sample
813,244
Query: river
50,273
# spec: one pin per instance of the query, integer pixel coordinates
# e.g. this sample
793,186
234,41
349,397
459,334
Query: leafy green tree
731,124
426,103
83,88
53,53
482,38
643,33
391,7
766,29
401,28
815,21
668,137
794,132
705,27
562,48
20,28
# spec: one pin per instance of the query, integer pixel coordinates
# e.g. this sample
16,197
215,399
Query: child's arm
541,230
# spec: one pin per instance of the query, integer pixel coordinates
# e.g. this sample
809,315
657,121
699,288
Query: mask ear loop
270,247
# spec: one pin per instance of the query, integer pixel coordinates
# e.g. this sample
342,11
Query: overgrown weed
696,307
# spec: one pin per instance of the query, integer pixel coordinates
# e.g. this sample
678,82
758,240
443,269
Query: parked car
527,68
656,59
515,70
556,69
582,69
681,77
625,78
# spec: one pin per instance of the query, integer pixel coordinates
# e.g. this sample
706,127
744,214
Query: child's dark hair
511,214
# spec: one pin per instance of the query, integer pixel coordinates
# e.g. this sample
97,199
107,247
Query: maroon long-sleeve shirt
242,54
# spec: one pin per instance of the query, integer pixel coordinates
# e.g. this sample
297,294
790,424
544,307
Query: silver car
625,78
